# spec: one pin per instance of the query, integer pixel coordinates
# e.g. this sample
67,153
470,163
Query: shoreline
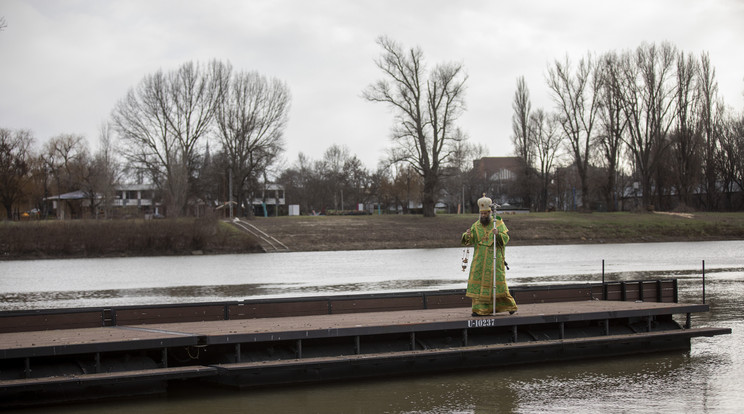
182,237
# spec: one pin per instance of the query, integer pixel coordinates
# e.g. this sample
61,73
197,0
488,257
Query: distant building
499,178
129,200
499,168
267,202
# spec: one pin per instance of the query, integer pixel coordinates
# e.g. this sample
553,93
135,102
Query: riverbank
322,233
99,238
56,239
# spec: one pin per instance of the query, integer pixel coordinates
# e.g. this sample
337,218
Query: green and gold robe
480,282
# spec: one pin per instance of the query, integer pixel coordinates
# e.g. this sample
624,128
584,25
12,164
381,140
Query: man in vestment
481,280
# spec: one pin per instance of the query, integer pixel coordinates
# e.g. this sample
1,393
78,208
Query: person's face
484,217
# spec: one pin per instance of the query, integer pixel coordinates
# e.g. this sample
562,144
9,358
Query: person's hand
468,232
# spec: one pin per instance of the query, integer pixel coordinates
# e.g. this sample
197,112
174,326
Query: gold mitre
484,203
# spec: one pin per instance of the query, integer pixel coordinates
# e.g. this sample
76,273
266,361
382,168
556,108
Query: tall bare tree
709,119
250,125
15,165
576,95
66,157
163,121
426,105
648,103
458,184
729,157
686,145
103,173
729,160
547,140
612,123
522,138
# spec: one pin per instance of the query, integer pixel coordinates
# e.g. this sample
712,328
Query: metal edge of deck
325,298
95,347
293,371
481,322
186,372
684,333
176,338
308,364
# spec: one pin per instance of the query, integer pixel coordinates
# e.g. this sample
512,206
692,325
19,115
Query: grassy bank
410,231
102,238
99,238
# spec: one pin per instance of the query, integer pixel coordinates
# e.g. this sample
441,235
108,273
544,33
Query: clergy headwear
484,203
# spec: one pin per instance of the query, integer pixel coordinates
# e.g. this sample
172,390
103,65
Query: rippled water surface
709,378
130,281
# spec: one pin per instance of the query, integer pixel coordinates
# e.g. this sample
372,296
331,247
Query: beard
485,220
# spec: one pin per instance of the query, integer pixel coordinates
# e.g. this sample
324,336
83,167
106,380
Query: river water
708,378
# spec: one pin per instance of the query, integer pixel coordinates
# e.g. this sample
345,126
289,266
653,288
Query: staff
494,206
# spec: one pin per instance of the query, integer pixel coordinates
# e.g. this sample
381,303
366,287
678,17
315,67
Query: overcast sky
65,64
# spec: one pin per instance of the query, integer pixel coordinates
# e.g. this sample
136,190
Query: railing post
659,295
703,282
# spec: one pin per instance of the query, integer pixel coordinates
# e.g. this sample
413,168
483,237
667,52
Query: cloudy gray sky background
65,64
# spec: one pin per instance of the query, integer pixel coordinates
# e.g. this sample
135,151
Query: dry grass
317,233
101,238
98,238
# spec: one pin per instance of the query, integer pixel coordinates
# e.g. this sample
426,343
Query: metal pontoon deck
139,350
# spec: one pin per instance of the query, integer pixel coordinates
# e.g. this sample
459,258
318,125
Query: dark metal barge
78,354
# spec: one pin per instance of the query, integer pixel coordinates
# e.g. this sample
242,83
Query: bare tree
426,106
547,140
709,119
686,146
458,184
522,138
162,123
338,181
299,184
103,173
576,95
613,124
15,165
729,158
66,157
648,103
250,125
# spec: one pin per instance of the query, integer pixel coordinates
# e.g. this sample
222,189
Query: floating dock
65,355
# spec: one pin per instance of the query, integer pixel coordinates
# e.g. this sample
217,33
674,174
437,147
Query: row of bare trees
206,132
165,124
64,164
652,114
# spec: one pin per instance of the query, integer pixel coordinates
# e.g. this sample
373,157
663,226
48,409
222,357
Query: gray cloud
66,63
